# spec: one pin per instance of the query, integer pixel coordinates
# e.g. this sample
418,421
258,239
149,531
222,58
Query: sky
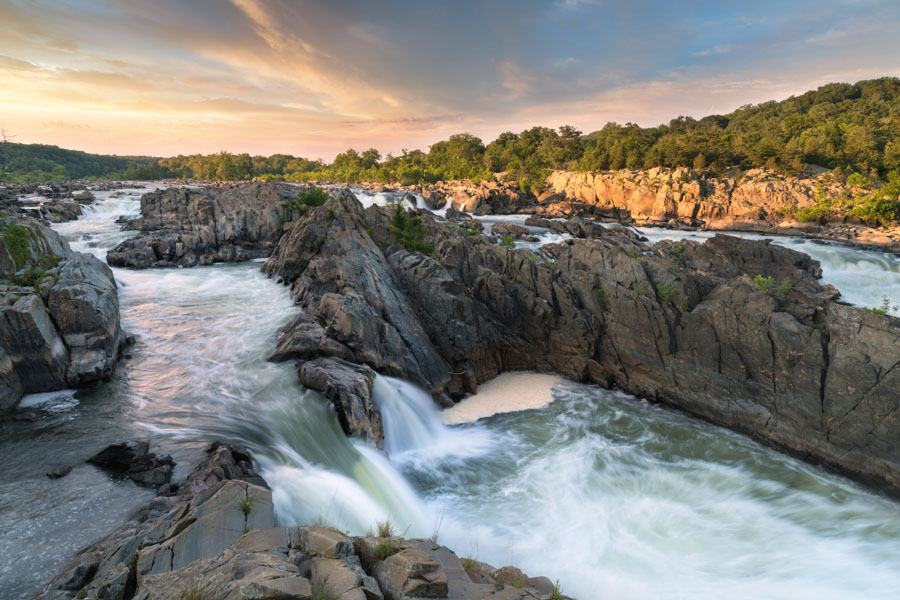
313,78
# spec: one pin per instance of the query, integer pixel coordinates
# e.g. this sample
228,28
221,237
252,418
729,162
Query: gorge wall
680,325
758,200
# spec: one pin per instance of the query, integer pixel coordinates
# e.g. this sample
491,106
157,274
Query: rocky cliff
775,355
188,227
218,539
757,200
59,313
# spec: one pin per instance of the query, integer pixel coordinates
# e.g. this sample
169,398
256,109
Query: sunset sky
313,78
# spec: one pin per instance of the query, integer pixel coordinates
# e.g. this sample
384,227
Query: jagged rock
84,196
483,198
684,328
62,331
349,388
517,231
303,338
222,463
135,460
224,223
756,201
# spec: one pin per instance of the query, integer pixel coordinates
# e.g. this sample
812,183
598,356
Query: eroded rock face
684,327
224,223
59,314
757,201
136,460
484,198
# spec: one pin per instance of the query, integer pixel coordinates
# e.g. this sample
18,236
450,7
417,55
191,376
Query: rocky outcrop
483,198
135,460
189,227
219,540
677,323
59,315
758,200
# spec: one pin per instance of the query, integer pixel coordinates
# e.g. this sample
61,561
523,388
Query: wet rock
222,463
84,197
59,472
349,388
678,323
135,460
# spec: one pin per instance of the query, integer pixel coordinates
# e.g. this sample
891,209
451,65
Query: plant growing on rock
766,285
666,292
556,594
246,503
385,528
15,238
305,200
385,548
886,306
640,289
410,232
508,242
676,251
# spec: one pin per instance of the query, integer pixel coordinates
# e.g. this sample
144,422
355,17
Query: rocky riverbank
219,223
59,313
757,200
218,539
773,354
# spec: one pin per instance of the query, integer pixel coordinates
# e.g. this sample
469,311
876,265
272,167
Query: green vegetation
676,251
246,503
305,201
766,285
886,306
852,128
666,292
15,237
321,592
410,232
385,548
470,564
556,594
640,289
601,298
385,528
198,590
508,242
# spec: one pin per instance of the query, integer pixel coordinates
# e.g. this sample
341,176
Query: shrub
508,242
556,594
385,548
246,503
15,238
666,292
676,251
410,232
385,528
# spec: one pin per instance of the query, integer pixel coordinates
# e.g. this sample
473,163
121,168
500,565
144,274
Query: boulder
349,388
135,460
220,223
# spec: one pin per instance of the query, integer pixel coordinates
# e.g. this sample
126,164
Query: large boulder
136,460
59,314
188,227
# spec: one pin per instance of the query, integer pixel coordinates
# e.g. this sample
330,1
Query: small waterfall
414,431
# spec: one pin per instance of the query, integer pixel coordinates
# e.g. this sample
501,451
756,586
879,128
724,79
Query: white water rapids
613,496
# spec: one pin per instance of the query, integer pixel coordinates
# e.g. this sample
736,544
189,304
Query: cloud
714,51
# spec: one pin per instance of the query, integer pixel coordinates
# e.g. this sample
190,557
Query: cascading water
615,497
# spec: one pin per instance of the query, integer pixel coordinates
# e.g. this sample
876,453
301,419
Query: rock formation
188,227
219,540
59,315
757,200
772,354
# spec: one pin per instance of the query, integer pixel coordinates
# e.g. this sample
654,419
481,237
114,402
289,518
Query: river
615,497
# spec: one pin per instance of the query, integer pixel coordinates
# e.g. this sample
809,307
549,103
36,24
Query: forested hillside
851,128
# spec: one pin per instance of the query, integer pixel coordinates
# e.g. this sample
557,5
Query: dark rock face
186,227
136,460
791,367
349,388
59,315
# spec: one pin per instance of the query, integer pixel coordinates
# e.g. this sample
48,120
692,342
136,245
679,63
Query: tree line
852,128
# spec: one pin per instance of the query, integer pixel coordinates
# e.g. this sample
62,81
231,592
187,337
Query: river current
613,496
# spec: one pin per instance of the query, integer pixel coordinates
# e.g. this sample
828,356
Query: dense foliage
850,128
37,162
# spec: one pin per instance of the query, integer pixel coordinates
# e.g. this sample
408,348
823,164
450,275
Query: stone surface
135,460
219,223
684,328
59,319
755,201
